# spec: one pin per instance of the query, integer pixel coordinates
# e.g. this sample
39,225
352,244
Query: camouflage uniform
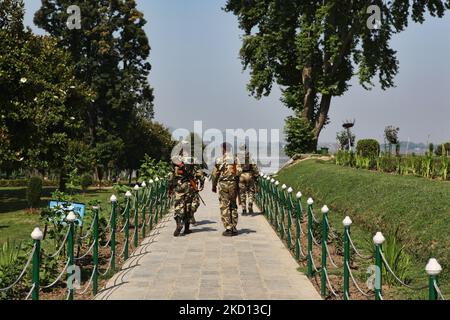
199,180
247,182
180,184
225,174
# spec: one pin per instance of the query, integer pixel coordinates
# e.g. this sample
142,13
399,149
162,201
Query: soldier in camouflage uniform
226,175
248,180
181,184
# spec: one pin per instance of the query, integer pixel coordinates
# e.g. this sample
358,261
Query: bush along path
308,238
145,207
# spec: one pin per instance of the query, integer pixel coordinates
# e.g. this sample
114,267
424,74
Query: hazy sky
197,76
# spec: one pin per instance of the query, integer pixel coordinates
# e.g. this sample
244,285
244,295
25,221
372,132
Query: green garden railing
281,208
153,205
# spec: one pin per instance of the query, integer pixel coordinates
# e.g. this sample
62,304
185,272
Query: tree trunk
322,117
308,102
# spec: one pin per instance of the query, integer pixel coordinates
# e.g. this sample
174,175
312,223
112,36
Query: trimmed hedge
368,148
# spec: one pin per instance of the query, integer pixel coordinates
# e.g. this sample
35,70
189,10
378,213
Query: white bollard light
113,198
37,234
71,217
379,239
299,195
310,201
433,267
347,222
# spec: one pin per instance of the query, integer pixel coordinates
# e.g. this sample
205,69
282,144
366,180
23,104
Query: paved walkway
205,265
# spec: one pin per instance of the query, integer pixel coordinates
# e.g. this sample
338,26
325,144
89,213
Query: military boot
193,221
250,209
187,225
179,227
244,211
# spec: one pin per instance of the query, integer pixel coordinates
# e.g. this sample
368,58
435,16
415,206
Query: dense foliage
92,111
427,166
298,136
368,148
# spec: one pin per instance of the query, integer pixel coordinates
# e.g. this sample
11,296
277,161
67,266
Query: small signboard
64,207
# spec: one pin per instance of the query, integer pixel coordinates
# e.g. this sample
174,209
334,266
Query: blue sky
197,76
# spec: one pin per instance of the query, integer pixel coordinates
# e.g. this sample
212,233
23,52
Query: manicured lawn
17,222
382,202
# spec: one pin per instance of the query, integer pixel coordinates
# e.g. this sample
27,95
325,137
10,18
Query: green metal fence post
433,270
283,207
37,235
264,194
127,225
347,224
298,221
258,198
276,209
71,218
157,191
378,240
144,209
136,215
310,244
150,204
270,202
95,252
113,200
290,212
323,278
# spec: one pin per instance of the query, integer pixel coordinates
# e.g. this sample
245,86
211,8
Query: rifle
195,187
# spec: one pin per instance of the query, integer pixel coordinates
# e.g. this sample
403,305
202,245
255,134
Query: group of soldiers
234,177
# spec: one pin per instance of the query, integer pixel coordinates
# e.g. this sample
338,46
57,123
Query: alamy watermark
373,22
264,145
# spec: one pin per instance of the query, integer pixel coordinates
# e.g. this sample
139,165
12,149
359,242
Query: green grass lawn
17,222
382,202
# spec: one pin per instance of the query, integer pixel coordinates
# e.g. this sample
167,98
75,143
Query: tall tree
312,49
109,52
41,108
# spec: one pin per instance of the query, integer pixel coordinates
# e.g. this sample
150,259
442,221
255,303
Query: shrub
12,261
442,149
344,140
397,258
86,181
299,137
34,191
368,148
